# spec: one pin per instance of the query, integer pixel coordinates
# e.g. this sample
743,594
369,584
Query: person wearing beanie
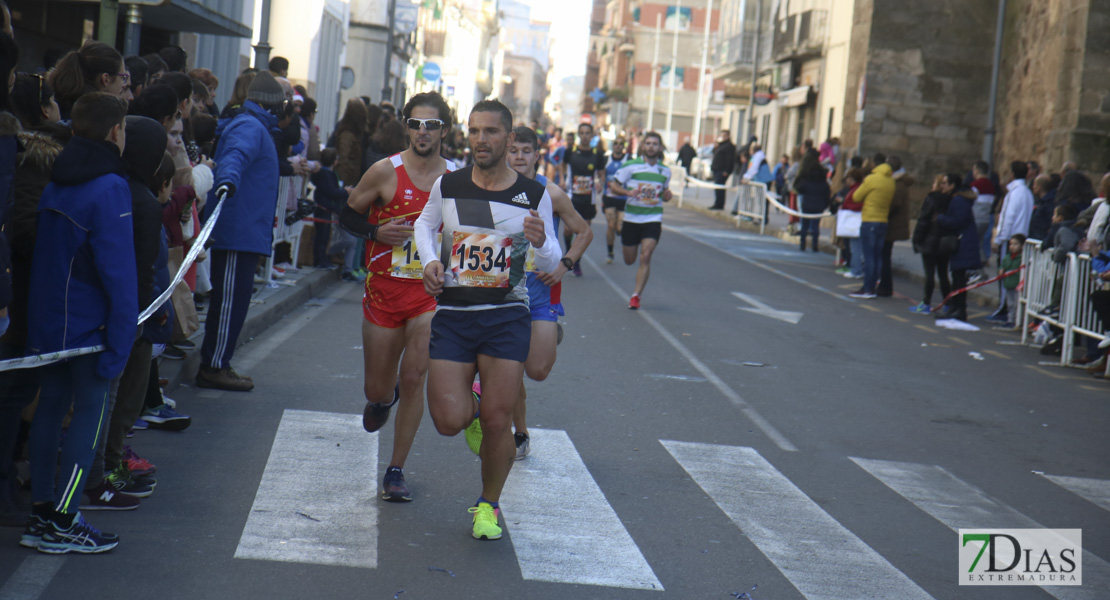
247,172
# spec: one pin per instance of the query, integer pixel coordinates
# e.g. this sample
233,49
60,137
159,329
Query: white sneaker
1104,344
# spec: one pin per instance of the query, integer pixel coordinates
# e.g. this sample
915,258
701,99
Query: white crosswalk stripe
568,537
291,521
960,505
1096,491
579,539
804,542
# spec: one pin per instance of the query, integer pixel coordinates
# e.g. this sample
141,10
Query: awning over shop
183,15
798,96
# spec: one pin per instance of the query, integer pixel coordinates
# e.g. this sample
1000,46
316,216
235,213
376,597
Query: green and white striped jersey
649,182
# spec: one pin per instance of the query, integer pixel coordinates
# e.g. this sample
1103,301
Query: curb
976,297
259,318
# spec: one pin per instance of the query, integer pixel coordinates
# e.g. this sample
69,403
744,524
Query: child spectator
83,293
330,199
1011,260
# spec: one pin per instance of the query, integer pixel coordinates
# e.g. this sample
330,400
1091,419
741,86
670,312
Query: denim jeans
856,263
872,235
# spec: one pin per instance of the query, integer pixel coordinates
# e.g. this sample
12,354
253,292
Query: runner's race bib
480,259
406,260
647,194
582,185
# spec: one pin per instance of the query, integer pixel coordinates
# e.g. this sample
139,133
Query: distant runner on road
645,181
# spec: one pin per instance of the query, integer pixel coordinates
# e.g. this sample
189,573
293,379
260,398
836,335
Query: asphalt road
788,442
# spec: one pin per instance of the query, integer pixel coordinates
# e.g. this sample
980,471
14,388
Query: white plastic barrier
290,188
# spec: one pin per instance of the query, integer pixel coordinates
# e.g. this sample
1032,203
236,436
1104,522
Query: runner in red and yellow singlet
396,310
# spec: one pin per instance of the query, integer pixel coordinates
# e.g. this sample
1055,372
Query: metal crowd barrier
290,188
1072,283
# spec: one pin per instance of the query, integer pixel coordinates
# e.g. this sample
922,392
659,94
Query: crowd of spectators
109,168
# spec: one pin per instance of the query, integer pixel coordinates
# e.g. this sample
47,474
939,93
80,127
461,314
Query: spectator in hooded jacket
1044,202
83,293
247,170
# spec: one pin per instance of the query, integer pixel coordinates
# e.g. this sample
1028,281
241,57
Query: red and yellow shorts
391,303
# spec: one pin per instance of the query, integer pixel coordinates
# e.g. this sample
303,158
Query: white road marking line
756,263
1096,491
960,505
568,538
306,514
804,542
765,426
32,577
257,352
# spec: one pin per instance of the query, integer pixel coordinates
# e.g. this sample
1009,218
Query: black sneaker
393,486
32,534
122,481
376,414
78,537
522,448
173,353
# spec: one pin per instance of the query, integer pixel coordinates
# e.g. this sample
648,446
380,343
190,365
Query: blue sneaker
140,424
921,309
166,418
998,318
32,534
78,537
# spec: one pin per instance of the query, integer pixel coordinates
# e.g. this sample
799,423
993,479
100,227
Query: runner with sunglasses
397,312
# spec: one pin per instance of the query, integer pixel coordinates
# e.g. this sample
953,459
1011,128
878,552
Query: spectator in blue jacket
959,220
83,293
247,171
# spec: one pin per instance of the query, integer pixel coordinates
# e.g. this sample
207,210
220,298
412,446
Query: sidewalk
906,264
268,306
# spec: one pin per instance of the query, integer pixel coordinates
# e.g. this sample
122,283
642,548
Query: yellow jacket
876,193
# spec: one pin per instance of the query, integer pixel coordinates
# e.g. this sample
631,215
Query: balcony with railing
736,55
800,35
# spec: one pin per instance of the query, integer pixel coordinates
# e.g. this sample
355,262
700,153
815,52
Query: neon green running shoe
485,522
473,433
473,436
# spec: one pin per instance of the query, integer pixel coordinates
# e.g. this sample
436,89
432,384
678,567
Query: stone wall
928,83
1039,85
1090,141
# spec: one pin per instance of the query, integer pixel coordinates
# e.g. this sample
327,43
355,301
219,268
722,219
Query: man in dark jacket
724,161
247,171
83,293
898,224
686,156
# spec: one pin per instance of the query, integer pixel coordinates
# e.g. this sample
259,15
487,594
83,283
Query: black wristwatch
567,262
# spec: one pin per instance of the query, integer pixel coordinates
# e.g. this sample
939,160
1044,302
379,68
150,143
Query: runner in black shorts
586,174
490,215
612,204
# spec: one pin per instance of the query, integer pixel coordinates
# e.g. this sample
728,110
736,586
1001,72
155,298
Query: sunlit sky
570,28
